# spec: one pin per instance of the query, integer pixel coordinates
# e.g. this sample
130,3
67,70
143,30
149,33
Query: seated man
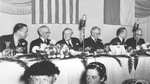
121,35
16,40
43,33
136,39
72,42
93,42
43,72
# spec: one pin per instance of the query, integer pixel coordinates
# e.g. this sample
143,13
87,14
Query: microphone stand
83,37
84,59
82,25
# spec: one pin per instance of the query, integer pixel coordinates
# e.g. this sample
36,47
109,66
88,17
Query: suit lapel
118,39
48,41
13,42
73,43
40,40
92,40
121,42
70,43
64,42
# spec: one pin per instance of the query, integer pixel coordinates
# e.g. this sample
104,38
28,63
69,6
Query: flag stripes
71,11
33,12
41,11
46,11
55,11
64,11
49,11
77,11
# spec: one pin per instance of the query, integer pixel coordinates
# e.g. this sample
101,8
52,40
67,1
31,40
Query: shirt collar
69,42
93,38
15,40
120,39
42,39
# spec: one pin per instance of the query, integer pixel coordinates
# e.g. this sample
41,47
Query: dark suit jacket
37,42
75,42
10,38
89,42
116,40
131,42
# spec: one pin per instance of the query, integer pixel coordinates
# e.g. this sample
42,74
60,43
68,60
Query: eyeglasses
40,78
96,33
46,32
138,34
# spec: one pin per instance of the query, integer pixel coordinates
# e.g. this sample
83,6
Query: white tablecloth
71,70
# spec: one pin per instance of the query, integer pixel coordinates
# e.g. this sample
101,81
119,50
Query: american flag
55,11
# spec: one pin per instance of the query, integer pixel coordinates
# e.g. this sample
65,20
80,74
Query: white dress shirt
16,40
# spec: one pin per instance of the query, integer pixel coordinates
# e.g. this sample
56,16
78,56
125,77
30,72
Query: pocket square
23,43
77,43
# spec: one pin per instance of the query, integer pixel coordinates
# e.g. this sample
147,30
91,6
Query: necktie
96,40
69,44
18,43
45,41
123,42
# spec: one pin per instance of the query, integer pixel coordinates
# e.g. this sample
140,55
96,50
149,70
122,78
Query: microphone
136,25
83,21
82,27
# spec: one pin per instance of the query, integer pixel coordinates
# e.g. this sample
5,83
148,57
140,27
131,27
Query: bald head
44,32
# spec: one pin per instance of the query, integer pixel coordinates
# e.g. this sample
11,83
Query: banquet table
118,69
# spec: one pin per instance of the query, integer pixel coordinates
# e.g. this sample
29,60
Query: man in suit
136,39
16,40
43,33
121,35
93,41
72,42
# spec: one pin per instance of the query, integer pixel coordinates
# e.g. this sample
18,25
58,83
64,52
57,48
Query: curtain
17,7
142,10
127,12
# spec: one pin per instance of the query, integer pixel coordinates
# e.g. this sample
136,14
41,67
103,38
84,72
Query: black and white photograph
74,42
